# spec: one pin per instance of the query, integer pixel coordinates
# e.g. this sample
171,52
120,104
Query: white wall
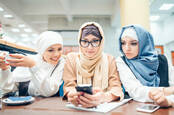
163,33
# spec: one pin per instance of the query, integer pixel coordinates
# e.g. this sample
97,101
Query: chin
90,55
130,57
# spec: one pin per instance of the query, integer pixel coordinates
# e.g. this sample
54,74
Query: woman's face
90,45
130,47
52,54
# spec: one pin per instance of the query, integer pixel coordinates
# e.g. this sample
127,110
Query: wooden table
55,106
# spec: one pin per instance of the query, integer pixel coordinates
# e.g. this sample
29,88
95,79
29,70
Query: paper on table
105,107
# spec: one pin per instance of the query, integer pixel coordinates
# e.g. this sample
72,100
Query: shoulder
119,59
120,63
110,57
72,55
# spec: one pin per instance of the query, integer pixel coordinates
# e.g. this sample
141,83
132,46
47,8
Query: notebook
105,107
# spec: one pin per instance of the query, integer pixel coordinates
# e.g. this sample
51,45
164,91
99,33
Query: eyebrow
134,41
130,41
92,39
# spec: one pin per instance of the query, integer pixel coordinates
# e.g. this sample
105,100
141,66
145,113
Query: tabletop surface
55,105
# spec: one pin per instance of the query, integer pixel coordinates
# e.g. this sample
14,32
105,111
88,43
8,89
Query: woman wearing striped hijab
93,67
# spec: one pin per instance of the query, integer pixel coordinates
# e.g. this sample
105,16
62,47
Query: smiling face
90,45
130,47
53,54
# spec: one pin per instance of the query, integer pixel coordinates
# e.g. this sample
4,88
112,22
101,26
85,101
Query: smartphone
84,88
148,108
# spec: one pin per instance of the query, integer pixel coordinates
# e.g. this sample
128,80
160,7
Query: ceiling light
15,30
27,30
1,9
8,16
24,35
154,18
21,25
166,6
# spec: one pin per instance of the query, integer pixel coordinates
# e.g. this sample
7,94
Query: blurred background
23,20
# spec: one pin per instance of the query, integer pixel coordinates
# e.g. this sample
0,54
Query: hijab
92,70
145,65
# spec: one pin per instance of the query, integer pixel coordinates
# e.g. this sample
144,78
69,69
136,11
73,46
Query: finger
16,55
84,104
85,100
74,100
72,94
2,58
97,89
16,64
157,97
14,60
161,100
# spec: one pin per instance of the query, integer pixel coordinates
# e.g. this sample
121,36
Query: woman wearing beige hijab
91,66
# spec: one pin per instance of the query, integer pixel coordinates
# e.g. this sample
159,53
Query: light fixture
15,30
166,6
24,35
154,18
1,9
8,16
27,30
21,25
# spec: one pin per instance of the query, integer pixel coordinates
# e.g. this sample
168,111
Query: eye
85,41
123,43
50,50
134,43
95,41
59,49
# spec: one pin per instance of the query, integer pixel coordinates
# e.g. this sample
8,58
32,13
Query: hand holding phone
84,88
148,108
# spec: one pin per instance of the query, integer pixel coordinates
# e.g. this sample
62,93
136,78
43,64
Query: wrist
32,64
5,68
106,97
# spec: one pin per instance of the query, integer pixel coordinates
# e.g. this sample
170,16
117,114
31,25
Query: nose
127,47
57,53
90,46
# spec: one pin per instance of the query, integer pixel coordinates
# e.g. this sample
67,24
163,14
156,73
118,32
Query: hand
3,65
20,60
157,95
169,90
87,100
73,96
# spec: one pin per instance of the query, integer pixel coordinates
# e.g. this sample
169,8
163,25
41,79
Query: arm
114,90
69,75
133,86
6,81
70,80
41,83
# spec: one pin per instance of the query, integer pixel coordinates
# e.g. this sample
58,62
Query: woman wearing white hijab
91,66
43,72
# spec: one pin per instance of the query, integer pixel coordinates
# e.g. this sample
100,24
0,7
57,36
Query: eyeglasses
94,43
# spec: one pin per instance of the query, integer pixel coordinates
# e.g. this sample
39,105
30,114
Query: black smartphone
84,88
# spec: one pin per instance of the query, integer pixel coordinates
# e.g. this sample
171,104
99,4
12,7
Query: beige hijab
92,70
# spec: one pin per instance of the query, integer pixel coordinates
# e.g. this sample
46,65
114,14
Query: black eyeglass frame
90,42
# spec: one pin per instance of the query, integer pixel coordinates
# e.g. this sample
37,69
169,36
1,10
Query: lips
127,53
54,59
90,51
